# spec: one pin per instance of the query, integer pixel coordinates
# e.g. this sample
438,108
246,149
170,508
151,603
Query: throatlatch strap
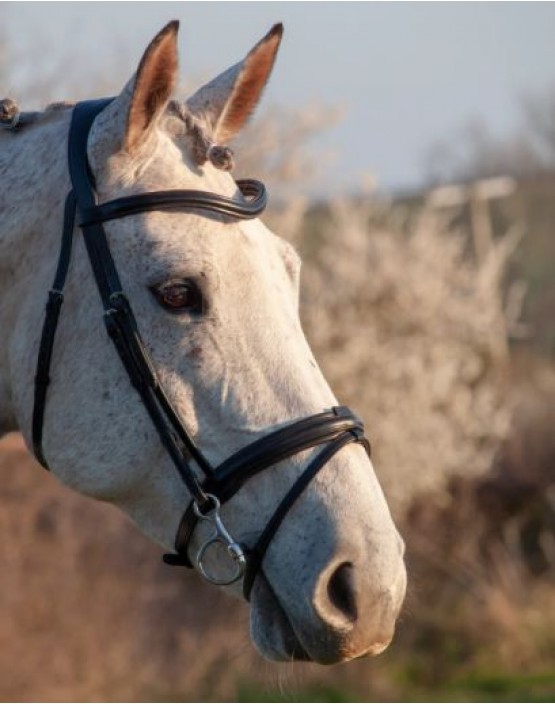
48,335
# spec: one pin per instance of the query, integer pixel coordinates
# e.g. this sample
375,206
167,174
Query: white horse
217,305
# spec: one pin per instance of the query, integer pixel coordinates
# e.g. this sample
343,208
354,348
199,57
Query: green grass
474,686
501,687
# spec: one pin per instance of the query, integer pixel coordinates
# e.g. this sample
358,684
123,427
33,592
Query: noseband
334,429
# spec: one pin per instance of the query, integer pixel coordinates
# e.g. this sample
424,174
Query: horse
169,393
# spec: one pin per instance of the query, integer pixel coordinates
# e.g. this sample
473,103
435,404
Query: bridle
334,428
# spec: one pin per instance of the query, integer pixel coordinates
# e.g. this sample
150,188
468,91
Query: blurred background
418,140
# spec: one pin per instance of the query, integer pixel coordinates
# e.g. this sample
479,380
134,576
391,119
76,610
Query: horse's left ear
153,85
228,101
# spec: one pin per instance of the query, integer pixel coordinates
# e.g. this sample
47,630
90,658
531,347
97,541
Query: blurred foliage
415,333
424,333
530,272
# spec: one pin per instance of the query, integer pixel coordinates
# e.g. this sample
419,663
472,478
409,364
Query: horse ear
153,85
228,101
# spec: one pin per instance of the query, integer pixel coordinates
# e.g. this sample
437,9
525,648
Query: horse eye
179,296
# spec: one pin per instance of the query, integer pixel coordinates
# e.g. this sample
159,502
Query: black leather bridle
334,428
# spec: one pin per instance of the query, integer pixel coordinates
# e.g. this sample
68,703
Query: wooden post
480,220
478,195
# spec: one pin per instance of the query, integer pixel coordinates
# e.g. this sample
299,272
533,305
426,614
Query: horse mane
203,149
199,135
13,119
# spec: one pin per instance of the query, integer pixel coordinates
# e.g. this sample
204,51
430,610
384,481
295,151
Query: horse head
215,298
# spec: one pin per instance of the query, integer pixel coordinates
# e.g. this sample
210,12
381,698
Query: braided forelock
200,137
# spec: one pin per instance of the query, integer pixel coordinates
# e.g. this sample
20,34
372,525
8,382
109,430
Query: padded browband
255,197
178,200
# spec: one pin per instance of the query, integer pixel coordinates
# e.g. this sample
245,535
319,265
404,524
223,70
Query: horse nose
357,609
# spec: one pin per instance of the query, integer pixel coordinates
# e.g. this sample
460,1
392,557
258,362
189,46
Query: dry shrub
482,559
411,333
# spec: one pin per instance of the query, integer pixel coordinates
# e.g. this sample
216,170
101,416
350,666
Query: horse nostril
341,591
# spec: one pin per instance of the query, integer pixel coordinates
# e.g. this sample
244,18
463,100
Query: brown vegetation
88,611
412,333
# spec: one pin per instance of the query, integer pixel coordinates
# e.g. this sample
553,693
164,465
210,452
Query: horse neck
34,179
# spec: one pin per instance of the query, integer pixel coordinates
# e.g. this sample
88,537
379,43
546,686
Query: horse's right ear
152,86
226,103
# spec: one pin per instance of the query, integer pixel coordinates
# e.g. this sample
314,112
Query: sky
405,74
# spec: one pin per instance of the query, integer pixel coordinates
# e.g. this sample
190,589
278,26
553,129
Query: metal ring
206,516
239,561
220,536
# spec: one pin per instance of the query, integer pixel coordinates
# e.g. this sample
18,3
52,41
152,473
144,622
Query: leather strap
179,200
49,326
332,427
256,554
118,316
278,446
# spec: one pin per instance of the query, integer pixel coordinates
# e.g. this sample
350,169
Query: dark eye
179,296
